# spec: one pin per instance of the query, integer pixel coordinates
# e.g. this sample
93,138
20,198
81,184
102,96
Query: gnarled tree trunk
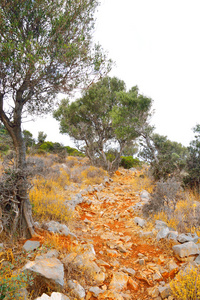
20,207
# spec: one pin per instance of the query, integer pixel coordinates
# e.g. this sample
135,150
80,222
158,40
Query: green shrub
128,162
73,151
11,283
47,146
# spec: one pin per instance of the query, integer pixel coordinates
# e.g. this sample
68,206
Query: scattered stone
112,253
146,233
162,233
115,264
31,245
157,276
153,292
140,222
76,289
165,291
172,265
50,268
121,248
144,195
187,237
95,290
129,271
186,249
119,281
132,284
102,263
141,261
69,259
89,252
110,295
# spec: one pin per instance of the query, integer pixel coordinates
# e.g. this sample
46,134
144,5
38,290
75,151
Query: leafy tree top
46,49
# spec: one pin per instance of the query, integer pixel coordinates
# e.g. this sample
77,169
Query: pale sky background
156,45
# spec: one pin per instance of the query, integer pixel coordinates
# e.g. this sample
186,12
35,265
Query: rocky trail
129,256
112,252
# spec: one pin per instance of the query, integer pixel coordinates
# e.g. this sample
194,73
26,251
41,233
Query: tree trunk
20,207
25,216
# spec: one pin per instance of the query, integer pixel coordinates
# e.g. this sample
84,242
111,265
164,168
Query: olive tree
105,116
45,48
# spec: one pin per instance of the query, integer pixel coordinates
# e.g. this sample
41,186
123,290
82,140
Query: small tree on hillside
166,158
45,48
28,137
105,116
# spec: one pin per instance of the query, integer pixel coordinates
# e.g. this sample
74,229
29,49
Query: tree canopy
167,158
105,115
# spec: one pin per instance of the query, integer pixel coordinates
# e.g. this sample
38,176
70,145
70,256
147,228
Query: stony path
135,266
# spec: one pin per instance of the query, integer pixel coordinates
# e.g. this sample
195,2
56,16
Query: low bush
73,152
12,284
128,162
141,181
93,175
186,284
164,198
48,199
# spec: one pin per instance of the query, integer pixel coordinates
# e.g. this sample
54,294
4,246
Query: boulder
187,237
56,227
31,245
172,235
160,224
140,222
54,296
49,268
186,249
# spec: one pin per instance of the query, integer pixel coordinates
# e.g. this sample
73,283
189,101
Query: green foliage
47,146
128,162
5,142
28,137
130,115
45,49
192,179
73,152
106,113
11,282
41,137
165,157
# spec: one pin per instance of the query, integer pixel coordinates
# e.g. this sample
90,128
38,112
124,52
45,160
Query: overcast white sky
156,45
